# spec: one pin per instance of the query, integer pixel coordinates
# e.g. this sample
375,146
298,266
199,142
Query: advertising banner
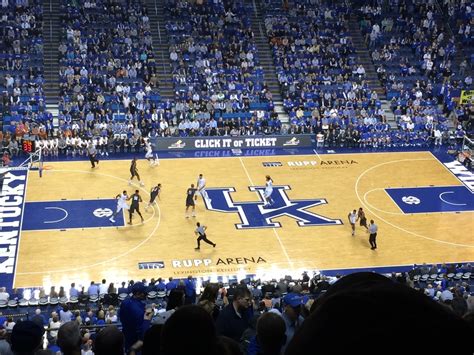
240,142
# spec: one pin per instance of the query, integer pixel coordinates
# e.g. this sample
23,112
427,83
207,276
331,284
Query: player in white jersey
149,153
268,191
352,216
201,188
121,204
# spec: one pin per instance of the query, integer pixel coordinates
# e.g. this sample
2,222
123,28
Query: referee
201,233
92,152
373,234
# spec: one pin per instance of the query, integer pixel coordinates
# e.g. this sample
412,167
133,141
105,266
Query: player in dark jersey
135,205
363,219
190,195
134,172
154,193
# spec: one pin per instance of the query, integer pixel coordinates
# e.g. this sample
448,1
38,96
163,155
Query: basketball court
423,210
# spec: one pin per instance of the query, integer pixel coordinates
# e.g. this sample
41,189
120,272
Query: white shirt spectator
103,289
4,296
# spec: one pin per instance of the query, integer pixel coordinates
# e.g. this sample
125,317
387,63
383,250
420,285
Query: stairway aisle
156,14
52,33
364,58
266,58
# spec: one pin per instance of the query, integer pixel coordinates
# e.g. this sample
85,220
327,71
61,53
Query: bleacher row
451,285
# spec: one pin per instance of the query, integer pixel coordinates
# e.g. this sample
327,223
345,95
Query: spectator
235,317
65,315
292,314
208,300
199,328
356,306
38,318
93,289
270,337
73,292
4,296
5,348
190,290
135,321
103,288
26,338
70,339
109,341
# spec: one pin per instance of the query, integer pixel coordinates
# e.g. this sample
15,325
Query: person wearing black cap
135,321
26,338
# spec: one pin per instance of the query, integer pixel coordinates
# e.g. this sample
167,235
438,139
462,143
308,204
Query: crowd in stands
216,70
21,61
414,52
249,317
109,89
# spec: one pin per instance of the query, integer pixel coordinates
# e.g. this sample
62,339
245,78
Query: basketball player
121,204
135,206
352,220
268,192
154,193
149,153
201,188
134,172
363,219
190,201
201,233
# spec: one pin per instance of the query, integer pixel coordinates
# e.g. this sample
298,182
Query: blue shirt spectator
132,316
93,289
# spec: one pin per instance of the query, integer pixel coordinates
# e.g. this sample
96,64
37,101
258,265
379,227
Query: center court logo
254,215
178,145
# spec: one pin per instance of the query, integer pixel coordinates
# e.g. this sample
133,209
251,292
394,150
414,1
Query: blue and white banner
227,142
12,200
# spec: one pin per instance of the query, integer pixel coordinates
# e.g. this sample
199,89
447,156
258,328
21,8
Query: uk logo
254,215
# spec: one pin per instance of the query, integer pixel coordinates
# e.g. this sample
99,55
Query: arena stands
21,64
101,304
218,80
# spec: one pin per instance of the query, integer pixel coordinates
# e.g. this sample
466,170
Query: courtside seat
424,278
440,277
433,277
53,301
33,302
466,276
83,299
122,296
458,276
13,303
161,294
23,302
73,300
43,301
151,295
3,304
63,300
93,298
450,276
